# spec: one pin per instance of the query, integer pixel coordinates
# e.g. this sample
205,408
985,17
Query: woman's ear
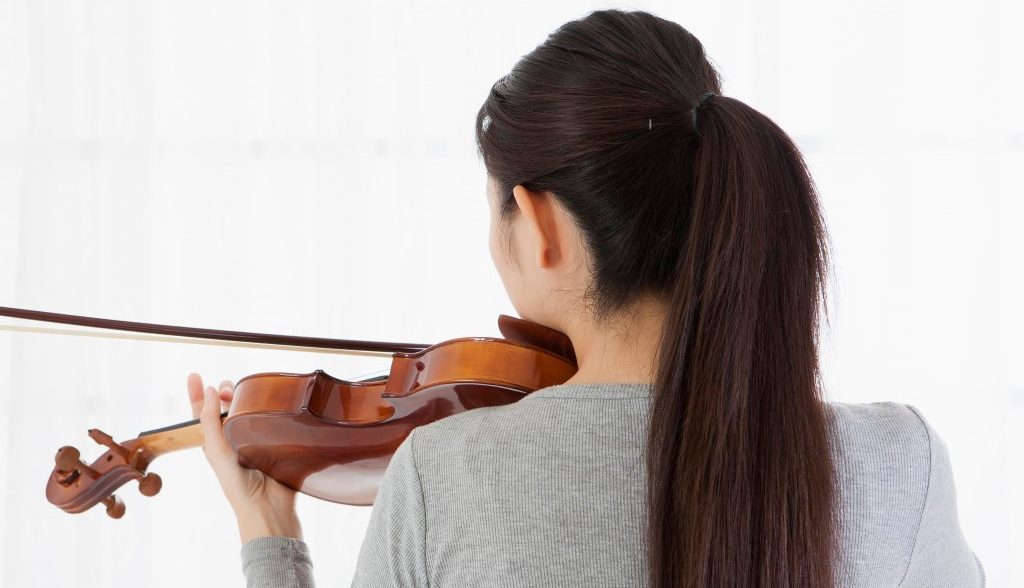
543,223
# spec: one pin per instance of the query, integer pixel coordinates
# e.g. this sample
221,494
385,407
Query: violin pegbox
75,486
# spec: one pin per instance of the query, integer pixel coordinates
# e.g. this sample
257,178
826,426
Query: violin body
333,439
327,437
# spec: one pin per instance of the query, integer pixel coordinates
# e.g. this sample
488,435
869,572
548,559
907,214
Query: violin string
172,339
379,374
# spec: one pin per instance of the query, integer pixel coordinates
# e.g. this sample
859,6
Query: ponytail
740,487
713,210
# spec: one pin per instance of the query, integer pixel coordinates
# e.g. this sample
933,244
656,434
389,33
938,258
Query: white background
309,168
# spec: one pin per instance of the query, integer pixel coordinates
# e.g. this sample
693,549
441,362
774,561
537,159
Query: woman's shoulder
879,420
543,416
457,430
889,442
885,416
898,495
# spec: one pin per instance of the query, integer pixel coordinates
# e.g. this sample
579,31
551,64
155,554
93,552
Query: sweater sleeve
393,551
277,562
941,555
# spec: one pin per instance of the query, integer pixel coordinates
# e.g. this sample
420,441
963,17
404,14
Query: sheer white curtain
309,168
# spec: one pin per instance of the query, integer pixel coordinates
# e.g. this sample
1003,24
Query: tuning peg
115,506
108,441
150,484
69,460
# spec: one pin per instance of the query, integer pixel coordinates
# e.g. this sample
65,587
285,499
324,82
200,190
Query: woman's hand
264,507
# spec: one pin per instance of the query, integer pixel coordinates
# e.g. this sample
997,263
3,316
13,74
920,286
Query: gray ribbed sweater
548,491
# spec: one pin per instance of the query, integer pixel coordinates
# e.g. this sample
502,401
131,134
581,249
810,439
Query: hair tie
693,111
703,98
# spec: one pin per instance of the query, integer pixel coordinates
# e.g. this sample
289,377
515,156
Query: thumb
216,447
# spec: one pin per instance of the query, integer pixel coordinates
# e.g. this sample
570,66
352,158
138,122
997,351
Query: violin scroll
75,486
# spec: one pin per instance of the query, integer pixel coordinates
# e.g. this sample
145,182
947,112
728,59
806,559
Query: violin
317,434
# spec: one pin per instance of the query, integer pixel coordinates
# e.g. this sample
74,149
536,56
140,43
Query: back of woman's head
711,209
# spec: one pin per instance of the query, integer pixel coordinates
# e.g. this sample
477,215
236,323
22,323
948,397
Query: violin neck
173,438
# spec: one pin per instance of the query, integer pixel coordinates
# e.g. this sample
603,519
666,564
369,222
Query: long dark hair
718,215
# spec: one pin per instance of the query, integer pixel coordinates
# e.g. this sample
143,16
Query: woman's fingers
216,447
195,393
226,392
263,506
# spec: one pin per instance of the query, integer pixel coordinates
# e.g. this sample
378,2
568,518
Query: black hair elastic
693,111
699,103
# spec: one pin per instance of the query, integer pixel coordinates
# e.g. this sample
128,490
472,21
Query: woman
675,236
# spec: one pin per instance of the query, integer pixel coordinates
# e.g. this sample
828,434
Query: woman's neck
623,349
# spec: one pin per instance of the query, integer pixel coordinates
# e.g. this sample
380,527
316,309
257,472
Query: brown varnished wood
332,438
164,442
116,468
531,333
